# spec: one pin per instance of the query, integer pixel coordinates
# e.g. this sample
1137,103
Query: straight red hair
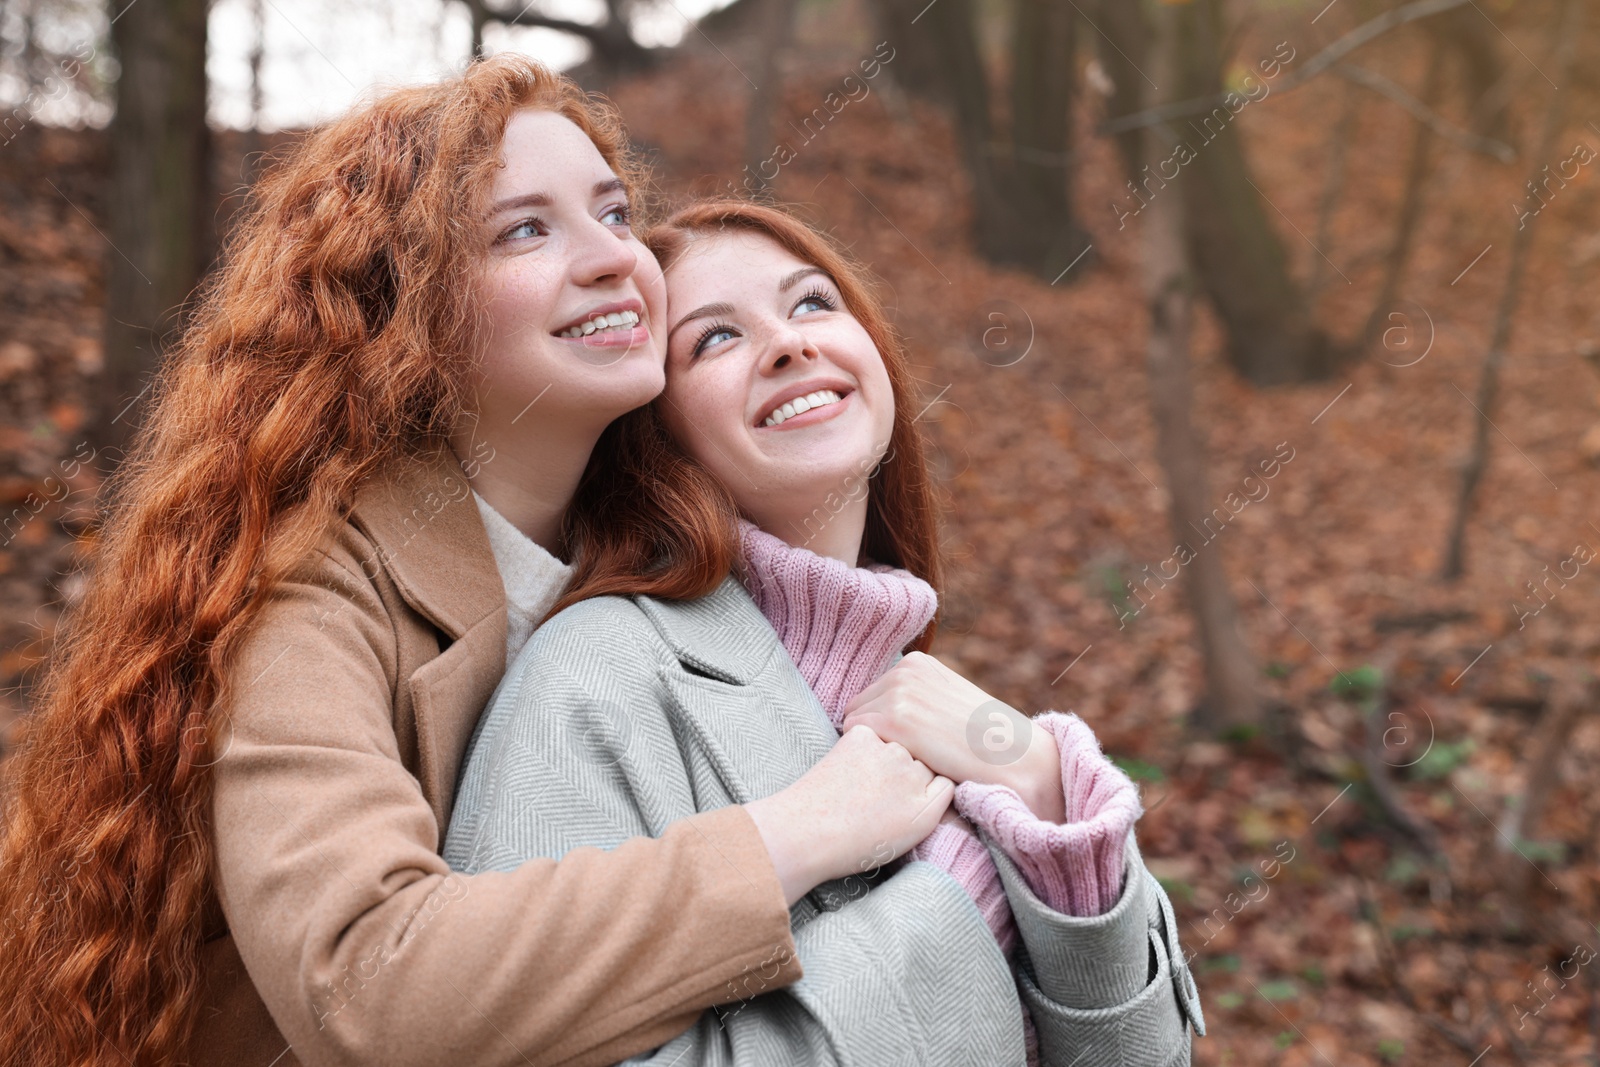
624,541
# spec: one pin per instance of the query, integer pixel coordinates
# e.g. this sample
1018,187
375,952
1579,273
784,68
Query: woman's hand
961,732
863,804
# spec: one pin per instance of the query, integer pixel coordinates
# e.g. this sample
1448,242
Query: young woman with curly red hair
222,828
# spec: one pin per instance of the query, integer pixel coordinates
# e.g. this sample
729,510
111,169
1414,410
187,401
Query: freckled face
771,383
575,303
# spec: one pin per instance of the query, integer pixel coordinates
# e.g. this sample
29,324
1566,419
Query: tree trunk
777,23
254,143
159,197
1564,46
1122,46
922,63
1240,258
1045,235
479,16
1474,39
1231,700
944,65
1022,211
613,51
1333,188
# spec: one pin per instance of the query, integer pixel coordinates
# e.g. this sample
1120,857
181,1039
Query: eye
816,300
713,334
618,215
522,230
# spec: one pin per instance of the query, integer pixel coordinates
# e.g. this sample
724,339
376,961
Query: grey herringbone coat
621,716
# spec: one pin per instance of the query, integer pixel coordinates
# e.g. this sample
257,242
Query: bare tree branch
1323,60
1422,113
1564,45
611,40
528,17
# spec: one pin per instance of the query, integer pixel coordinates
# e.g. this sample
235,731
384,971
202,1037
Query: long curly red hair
336,336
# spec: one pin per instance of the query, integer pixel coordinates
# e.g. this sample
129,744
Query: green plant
1442,758
1543,851
1279,989
1363,683
1403,869
1177,887
1138,769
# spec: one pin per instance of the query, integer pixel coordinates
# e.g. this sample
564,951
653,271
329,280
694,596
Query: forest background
1253,343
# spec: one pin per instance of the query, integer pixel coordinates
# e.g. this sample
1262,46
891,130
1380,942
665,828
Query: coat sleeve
1112,990
364,945
577,751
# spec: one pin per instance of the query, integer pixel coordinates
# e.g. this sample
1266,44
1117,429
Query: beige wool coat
339,936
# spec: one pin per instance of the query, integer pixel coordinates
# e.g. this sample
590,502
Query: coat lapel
420,516
735,691
430,538
737,694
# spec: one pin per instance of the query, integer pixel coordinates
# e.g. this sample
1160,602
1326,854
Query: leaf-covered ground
1322,932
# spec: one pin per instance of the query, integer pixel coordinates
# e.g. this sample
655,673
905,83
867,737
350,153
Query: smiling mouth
616,320
800,405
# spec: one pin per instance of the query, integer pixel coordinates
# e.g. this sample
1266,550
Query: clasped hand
930,709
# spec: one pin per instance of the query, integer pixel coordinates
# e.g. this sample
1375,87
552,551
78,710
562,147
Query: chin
823,455
633,388
824,484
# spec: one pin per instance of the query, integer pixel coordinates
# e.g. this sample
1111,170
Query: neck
530,476
841,624
834,534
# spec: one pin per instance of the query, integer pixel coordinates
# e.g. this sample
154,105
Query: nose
786,345
600,256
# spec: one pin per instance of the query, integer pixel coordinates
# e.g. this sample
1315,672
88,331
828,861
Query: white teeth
820,398
615,319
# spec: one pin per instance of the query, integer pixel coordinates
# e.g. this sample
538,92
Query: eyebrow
701,312
791,280
601,188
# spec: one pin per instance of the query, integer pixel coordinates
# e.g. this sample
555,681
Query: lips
801,398
623,316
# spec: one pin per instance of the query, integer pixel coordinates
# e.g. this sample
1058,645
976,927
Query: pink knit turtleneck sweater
844,626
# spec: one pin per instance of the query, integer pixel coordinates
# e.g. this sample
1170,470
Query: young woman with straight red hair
1042,941
221,830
